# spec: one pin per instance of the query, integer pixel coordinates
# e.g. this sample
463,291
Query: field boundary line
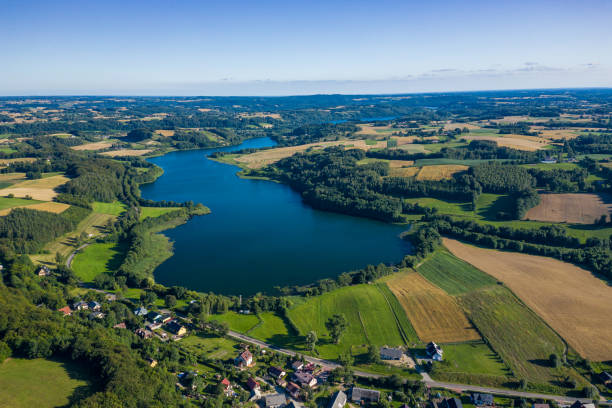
397,322
365,332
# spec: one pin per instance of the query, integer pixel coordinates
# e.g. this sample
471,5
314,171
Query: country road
429,382
71,256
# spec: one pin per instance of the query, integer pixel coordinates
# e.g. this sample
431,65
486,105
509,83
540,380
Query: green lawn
452,274
370,319
272,329
14,202
40,383
147,212
114,208
236,321
96,259
472,358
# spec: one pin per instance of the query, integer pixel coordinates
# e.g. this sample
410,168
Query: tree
311,341
5,351
555,360
170,300
148,297
336,325
138,135
373,355
346,359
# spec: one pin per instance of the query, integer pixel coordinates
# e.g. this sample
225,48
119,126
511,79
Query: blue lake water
260,234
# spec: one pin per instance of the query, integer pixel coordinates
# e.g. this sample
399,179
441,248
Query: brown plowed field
572,208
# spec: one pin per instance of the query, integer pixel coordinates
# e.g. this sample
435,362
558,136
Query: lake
260,234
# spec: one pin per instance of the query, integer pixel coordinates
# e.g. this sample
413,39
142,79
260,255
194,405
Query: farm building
338,400
304,378
388,353
245,359
360,395
483,400
275,401
434,351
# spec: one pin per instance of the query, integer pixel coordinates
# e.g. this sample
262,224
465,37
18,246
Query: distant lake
260,234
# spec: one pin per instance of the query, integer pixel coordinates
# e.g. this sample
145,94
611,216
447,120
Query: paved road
76,251
426,378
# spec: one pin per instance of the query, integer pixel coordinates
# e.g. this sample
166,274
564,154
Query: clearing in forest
93,146
40,189
570,299
434,314
127,152
571,208
440,172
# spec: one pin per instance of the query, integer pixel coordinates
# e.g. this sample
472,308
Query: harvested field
570,299
165,133
17,160
53,207
93,146
519,142
440,172
455,125
265,157
394,164
41,189
434,314
8,179
260,115
571,208
403,171
127,152
557,133
371,130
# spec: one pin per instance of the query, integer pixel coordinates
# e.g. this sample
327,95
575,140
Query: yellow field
573,208
165,133
265,157
41,189
127,152
12,177
93,146
519,142
455,125
371,130
440,172
49,207
576,304
404,171
17,160
434,314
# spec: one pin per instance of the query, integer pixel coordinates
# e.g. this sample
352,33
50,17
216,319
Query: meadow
40,383
97,258
147,212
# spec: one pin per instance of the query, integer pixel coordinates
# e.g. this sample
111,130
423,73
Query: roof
120,326
277,371
605,376
540,406
141,311
297,364
482,399
338,400
174,327
392,353
358,394
93,303
275,400
225,382
452,403
303,377
246,355
252,384
66,310
292,387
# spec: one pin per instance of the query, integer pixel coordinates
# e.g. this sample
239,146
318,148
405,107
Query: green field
551,166
212,347
472,358
147,212
96,259
40,383
370,319
236,321
114,208
444,207
14,202
406,330
452,274
272,329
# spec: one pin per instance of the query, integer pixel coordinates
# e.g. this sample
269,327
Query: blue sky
301,47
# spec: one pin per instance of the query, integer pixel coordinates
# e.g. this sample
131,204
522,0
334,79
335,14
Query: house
93,305
152,362
80,306
297,365
451,403
293,389
252,384
96,315
143,333
275,401
176,328
434,351
304,378
120,326
153,326
606,379
276,372
387,353
360,395
153,316
483,400
66,310
111,297
44,271
141,311
165,318
540,406
245,359
227,386
338,400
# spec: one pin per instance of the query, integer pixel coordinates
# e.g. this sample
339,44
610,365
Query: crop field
453,275
455,125
520,142
40,189
7,203
147,212
93,146
96,259
440,172
570,299
127,152
8,179
266,157
40,383
434,314
370,319
571,208
165,133
51,206
371,130
403,171
4,162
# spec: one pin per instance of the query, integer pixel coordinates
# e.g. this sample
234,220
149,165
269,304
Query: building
44,271
293,389
93,305
540,406
152,362
120,326
579,404
176,328
360,395
252,384
153,326
66,310
96,315
606,379
297,365
450,403
387,353
227,385
483,400
304,378
294,404
80,306
274,401
434,351
338,400
143,333
245,359
277,372
153,316
141,311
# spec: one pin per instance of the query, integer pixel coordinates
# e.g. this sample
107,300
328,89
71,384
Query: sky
291,47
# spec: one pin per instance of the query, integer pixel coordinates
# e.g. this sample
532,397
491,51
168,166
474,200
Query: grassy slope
97,258
237,322
39,383
114,208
